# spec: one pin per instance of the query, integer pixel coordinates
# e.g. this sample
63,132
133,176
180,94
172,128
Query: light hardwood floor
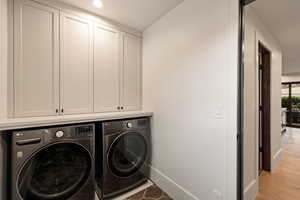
284,182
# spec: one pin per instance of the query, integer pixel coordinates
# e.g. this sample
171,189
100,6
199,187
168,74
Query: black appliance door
56,172
127,154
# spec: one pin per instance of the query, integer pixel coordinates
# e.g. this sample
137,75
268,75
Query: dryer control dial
59,134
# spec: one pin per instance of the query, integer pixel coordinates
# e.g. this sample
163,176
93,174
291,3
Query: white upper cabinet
36,59
76,67
67,64
106,69
131,70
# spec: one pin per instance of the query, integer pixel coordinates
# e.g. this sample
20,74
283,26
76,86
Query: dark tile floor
151,193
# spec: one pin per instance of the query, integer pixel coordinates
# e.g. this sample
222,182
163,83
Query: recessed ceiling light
98,3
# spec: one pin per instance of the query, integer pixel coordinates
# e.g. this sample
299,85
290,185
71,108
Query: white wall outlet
218,195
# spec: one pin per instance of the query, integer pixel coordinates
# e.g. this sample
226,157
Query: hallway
284,182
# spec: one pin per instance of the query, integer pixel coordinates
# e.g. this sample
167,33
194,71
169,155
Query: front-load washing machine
125,156
53,163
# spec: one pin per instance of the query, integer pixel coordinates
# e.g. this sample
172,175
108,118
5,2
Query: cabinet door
106,69
76,69
131,79
36,57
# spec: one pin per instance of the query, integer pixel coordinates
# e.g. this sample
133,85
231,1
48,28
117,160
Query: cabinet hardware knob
118,107
62,110
56,110
122,107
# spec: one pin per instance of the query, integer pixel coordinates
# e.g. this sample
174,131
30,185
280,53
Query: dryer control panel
112,127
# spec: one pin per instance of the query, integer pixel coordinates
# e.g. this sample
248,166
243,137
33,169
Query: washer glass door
127,154
54,173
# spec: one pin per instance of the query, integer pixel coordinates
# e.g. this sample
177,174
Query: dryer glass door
55,172
127,154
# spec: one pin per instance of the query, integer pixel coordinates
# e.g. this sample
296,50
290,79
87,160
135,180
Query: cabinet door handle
122,108
62,110
118,107
56,110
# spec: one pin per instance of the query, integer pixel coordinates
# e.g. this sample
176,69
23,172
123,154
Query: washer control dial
59,134
129,125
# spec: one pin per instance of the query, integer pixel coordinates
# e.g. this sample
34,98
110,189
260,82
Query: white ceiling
137,14
282,18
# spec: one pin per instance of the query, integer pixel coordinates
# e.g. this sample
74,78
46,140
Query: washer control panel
71,132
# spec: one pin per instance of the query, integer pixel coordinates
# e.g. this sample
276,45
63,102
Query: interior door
106,69
264,108
76,72
131,87
36,59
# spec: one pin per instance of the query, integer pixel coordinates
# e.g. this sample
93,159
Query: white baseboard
251,191
169,186
277,159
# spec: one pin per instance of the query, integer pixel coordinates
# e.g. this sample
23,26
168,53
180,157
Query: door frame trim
240,106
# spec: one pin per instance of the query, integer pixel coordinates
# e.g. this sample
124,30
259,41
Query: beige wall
190,83
3,58
255,31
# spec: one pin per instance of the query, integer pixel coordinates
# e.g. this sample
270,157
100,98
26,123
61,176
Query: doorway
264,133
291,103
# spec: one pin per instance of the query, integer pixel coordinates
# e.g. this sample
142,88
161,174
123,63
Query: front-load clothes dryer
53,163
126,155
